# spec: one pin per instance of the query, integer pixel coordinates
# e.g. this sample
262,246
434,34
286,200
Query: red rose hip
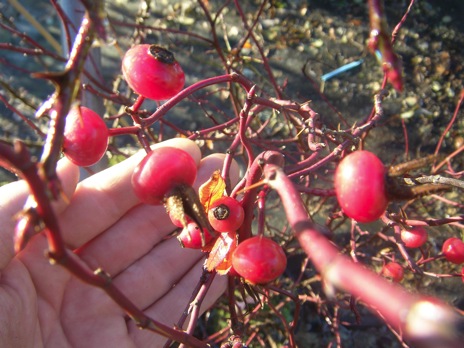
414,237
259,260
160,171
191,237
85,137
226,214
394,271
152,72
453,250
360,186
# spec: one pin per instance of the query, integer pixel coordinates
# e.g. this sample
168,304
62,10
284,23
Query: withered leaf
212,190
220,256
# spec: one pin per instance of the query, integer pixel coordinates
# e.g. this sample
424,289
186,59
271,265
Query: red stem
451,122
265,61
254,174
67,85
163,109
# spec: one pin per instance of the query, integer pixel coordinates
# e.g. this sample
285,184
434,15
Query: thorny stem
163,109
381,46
195,304
198,296
254,174
451,122
260,49
356,134
290,327
234,319
18,160
401,22
67,85
422,320
243,117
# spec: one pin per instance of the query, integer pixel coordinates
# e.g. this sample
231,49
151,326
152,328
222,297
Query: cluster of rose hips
360,186
360,180
166,173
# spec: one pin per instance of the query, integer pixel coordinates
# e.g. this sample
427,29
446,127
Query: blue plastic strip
342,69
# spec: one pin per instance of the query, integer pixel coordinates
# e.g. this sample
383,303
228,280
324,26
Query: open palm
104,223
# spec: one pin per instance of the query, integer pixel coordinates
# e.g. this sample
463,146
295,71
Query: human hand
105,224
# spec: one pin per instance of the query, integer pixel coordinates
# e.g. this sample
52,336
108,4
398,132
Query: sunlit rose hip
152,72
85,137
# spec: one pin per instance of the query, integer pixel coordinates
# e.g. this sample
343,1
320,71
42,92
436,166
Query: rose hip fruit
259,260
152,72
226,214
191,236
414,237
162,170
85,137
360,186
394,271
453,250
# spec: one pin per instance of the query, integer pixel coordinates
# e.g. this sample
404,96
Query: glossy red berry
160,171
453,250
85,137
414,237
190,237
360,186
226,214
152,72
259,260
394,271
